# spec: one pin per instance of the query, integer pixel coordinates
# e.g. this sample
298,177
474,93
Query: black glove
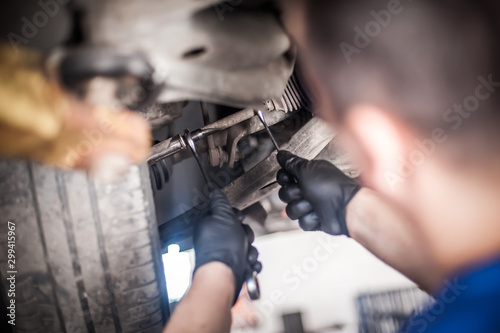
316,192
222,237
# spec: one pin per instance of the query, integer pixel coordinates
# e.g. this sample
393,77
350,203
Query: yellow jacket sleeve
32,108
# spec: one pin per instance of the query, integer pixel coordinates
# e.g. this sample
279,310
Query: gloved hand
316,192
222,237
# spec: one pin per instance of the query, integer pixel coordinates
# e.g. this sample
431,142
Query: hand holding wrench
252,281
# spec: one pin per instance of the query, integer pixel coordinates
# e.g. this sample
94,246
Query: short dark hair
416,58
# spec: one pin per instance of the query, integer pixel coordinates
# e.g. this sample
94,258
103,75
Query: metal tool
253,287
251,281
263,120
190,142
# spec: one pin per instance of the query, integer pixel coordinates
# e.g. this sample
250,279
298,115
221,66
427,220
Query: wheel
87,255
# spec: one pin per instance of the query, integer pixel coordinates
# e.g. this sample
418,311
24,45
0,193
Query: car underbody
233,57
205,66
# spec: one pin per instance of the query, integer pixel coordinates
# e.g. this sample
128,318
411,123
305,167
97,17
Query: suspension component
245,118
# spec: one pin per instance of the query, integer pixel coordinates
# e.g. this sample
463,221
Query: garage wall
318,275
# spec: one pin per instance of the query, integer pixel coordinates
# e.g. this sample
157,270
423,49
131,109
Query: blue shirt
468,303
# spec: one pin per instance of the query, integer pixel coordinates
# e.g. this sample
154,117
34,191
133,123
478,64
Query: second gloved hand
222,237
317,193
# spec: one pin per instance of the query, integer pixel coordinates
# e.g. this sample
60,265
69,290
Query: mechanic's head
414,88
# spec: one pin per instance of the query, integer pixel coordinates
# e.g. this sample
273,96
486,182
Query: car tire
87,255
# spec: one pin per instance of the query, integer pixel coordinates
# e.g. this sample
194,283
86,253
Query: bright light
173,248
177,268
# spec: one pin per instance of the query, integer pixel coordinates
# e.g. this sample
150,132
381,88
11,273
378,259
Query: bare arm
223,254
207,305
391,237
322,197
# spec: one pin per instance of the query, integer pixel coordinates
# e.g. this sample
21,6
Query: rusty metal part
255,184
248,124
159,115
176,144
259,181
252,125
216,155
166,148
294,97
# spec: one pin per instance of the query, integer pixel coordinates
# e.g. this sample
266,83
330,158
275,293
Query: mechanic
412,88
413,93
414,99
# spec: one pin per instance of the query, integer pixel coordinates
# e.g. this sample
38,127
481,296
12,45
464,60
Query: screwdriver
251,281
259,114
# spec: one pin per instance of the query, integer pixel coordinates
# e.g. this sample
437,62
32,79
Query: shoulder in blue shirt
468,303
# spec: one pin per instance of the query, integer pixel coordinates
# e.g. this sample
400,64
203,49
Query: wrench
251,281
259,114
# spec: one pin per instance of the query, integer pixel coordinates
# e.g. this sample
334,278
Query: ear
378,142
